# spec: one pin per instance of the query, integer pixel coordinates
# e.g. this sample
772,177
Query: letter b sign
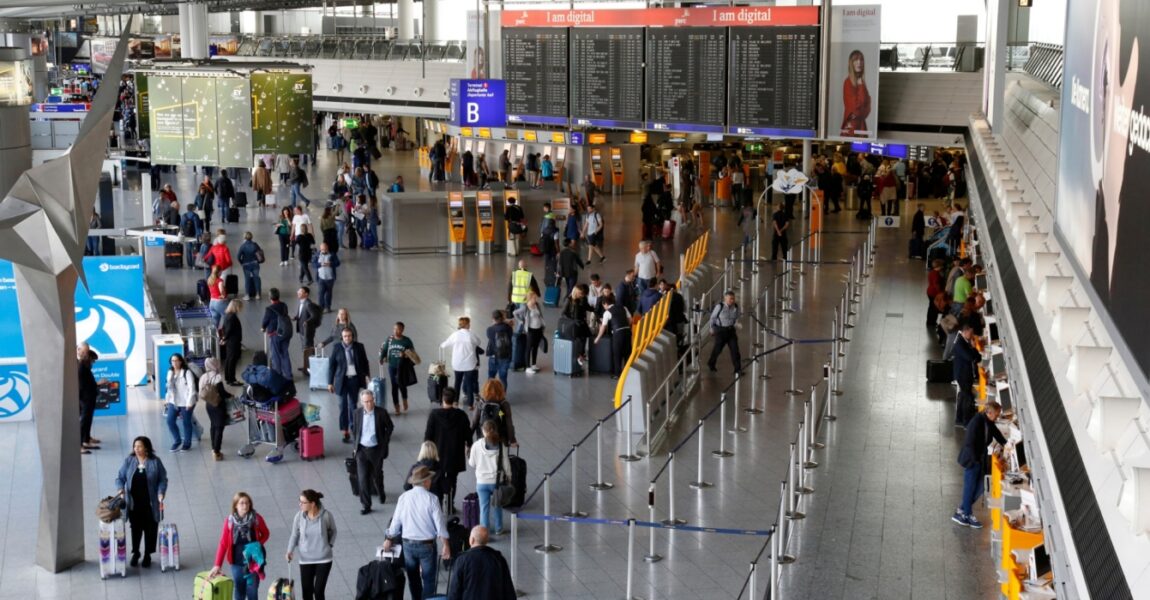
472,113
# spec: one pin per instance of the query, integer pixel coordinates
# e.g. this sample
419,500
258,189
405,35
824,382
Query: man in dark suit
347,374
308,316
89,392
371,429
966,360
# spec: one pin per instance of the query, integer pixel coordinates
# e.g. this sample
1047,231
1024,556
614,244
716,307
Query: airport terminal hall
574,300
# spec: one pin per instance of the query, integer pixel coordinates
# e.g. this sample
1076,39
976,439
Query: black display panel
774,81
535,69
686,73
607,77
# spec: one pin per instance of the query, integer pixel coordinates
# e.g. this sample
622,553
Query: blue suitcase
565,360
551,296
519,352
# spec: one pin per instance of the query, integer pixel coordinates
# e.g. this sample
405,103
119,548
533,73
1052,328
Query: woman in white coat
181,400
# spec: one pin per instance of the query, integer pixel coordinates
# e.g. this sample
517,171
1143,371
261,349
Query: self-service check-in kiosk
597,167
457,221
616,171
557,160
512,239
485,221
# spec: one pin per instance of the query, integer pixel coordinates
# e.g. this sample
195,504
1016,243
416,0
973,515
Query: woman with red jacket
241,545
856,98
218,256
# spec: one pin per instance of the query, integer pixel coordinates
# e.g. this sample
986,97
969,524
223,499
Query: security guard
522,281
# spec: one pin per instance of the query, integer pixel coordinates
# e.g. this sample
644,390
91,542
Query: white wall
909,21
1048,21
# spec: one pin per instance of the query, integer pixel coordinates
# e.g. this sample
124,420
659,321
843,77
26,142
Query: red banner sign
720,16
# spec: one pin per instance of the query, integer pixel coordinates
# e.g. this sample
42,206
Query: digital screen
890,150
774,81
16,83
485,213
607,77
682,64
535,69
166,119
143,106
233,103
281,108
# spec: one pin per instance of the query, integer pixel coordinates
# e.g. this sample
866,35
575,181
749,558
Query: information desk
416,222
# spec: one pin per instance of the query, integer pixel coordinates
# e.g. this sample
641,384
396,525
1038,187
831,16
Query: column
194,38
184,29
15,130
994,86
807,168
430,20
405,16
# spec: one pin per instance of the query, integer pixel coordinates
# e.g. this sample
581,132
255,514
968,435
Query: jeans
252,282
217,308
340,227
297,192
93,245
417,557
971,487
305,271
185,415
222,205
571,281
247,585
469,382
488,513
313,580
325,288
192,248
498,366
279,359
397,390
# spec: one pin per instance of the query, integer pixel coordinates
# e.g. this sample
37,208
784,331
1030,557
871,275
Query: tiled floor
877,525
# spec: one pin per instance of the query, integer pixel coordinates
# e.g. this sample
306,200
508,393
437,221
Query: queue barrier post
812,437
735,428
794,390
793,512
547,547
722,452
699,483
651,556
630,456
752,576
753,409
671,520
574,512
599,484
515,551
630,559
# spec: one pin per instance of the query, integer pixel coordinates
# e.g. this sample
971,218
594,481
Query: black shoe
135,562
147,563
346,439
364,511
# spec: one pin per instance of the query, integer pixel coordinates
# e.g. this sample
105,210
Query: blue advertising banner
15,391
478,102
110,380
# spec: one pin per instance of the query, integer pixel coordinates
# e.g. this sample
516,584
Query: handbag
108,510
410,354
235,410
504,492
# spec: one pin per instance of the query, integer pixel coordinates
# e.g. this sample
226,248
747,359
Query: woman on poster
856,98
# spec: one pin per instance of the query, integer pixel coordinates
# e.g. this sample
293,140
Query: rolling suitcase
369,238
470,510
601,356
518,479
917,248
232,285
318,369
551,296
202,290
379,390
311,443
233,214
939,371
565,359
519,352
281,589
169,545
219,588
352,474
352,238
668,229
241,200
113,549
173,255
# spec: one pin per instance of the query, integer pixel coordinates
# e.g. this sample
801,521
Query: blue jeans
340,227
184,415
245,587
222,204
467,383
417,557
297,192
971,487
192,249
499,366
93,245
279,359
396,390
217,308
487,512
347,400
252,282
325,287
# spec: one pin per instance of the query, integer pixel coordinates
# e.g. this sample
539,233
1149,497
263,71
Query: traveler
650,212
307,320
469,178
484,172
342,321
532,170
283,167
371,431
283,231
522,282
214,395
934,287
276,324
918,228
218,254
299,222
617,323
865,191
370,182
313,537
305,248
205,195
167,194
396,186
966,360
465,350
649,298
576,309
493,406
593,233
348,373
393,353
647,266
594,291
191,228
589,190
627,292
180,401
89,392
724,320
241,544
326,263
573,228
749,223
546,169
261,183
963,288
225,193
298,179
418,521
231,340
329,227
981,430
529,320
549,245
569,265
251,256
516,225
481,573
505,169
428,457
490,460
450,429
358,183
142,482
500,341
780,223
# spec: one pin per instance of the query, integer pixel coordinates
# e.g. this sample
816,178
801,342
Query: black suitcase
939,371
173,255
519,352
352,238
202,290
353,476
241,200
518,479
601,356
232,285
233,215
916,248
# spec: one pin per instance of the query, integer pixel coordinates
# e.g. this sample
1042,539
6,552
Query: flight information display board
773,85
607,77
535,69
686,66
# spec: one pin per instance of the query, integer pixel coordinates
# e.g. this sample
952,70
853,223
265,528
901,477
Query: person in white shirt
300,219
593,233
418,521
181,400
486,456
647,266
465,350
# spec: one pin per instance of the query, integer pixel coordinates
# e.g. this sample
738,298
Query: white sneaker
257,296
532,370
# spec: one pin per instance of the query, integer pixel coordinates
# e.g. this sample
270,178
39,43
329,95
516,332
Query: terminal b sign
478,102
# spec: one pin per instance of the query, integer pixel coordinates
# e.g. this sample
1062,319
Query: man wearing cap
371,430
418,520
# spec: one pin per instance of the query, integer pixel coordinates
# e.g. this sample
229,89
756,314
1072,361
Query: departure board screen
535,69
773,84
686,73
607,77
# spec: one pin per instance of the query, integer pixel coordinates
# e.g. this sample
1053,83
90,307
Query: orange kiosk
485,221
512,240
456,223
597,167
557,160
616,171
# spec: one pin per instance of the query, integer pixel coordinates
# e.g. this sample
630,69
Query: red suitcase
311,443
668,229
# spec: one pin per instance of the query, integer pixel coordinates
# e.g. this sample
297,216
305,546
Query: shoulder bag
504,492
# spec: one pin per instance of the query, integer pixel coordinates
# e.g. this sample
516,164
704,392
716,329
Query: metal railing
1044,63
351,47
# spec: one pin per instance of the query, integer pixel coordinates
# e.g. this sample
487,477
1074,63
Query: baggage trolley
265,427
199,332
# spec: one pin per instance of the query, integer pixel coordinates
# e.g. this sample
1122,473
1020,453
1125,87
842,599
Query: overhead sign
596,138
718,16
891,150
478,102
61,108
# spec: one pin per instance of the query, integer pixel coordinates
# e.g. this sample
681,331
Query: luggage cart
199,332
266,427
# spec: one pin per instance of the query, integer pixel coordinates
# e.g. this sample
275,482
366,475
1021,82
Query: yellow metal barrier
649,325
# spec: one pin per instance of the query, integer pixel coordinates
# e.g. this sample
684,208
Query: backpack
493,411
502,345
260,255
210,394
188,229
283,325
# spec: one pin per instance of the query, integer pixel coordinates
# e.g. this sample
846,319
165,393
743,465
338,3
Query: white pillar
807,168
194,39
430,20
998,30
405,16
184,29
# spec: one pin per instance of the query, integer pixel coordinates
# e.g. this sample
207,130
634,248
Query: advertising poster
223,45
164,46
111,381
16,83
293,110
166,119
201,146
852,96
141,49
101,51
234,122
264,129
143,106
1104,159
15,391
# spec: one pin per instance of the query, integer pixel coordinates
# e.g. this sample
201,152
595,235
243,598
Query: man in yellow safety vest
522,281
